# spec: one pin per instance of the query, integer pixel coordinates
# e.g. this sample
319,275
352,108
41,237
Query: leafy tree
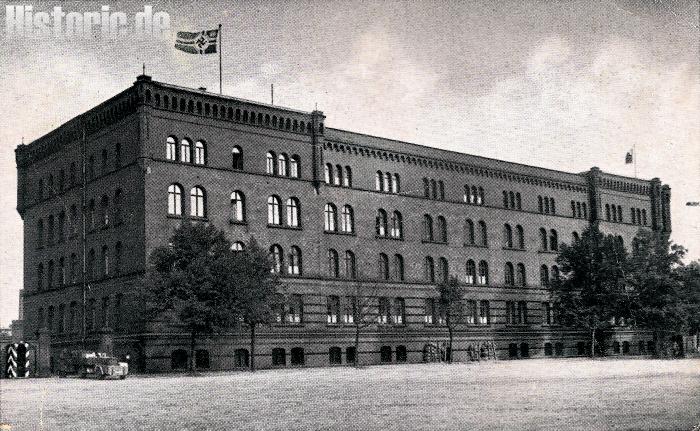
451,305
257,291
363,309
657,285
189,281
690,295
591,290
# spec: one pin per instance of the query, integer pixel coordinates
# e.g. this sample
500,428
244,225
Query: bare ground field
538,394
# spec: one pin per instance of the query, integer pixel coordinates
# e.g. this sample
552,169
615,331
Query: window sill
333,232
202,219
238,222
427,241
281,226
176,217
466,244
388,237
513,249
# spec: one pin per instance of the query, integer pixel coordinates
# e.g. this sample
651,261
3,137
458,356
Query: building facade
339,211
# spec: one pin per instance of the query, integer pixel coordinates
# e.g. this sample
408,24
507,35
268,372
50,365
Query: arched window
328,171
279,355
338,179
270,164
91,214
383,266
484,233
521,236
274,210
396,225
50,236
91,265
198,202
544,275
619,214
471,272
507,236
546,205
442,229
428,228
331,217
429,269
294,267
443,270
350,271
480,199
175,199
50,274
293,212
387,182
433,189
607,212
237,246
381,223
237,206
426,188
644,217
511,199
467,198
396,184
398,267
294,166
199,153
347,222
540,204
518,201
469,231
441,187
237,158
509,274
333,265
553,240
118,206
104,261
40,276
276,258
552,206
520,276
378,181
185,151
399,312
543,239
40,233
282,165
118,258
574,236
62,271
347,179
483,272
104,211
170,152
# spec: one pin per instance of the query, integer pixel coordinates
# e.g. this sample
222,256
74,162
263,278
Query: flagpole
221,91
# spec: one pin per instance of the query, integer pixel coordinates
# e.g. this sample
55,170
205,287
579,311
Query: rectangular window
384,311
429,310
470,312
333,310
350,310
484,313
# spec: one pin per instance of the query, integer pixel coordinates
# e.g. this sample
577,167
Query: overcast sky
565,85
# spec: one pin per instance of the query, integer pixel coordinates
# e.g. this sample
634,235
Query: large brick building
333,206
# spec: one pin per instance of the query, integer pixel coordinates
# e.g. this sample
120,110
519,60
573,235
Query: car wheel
122,377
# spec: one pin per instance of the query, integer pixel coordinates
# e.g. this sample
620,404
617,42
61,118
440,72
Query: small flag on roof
628,157
202,42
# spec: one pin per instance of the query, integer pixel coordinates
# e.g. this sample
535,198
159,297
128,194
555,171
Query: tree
690,296
257,291
190,281
451,305
363,310
591,291
657,282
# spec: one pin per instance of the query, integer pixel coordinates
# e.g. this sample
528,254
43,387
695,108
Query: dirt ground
548,394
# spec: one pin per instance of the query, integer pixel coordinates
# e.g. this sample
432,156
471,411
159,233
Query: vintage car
95,364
